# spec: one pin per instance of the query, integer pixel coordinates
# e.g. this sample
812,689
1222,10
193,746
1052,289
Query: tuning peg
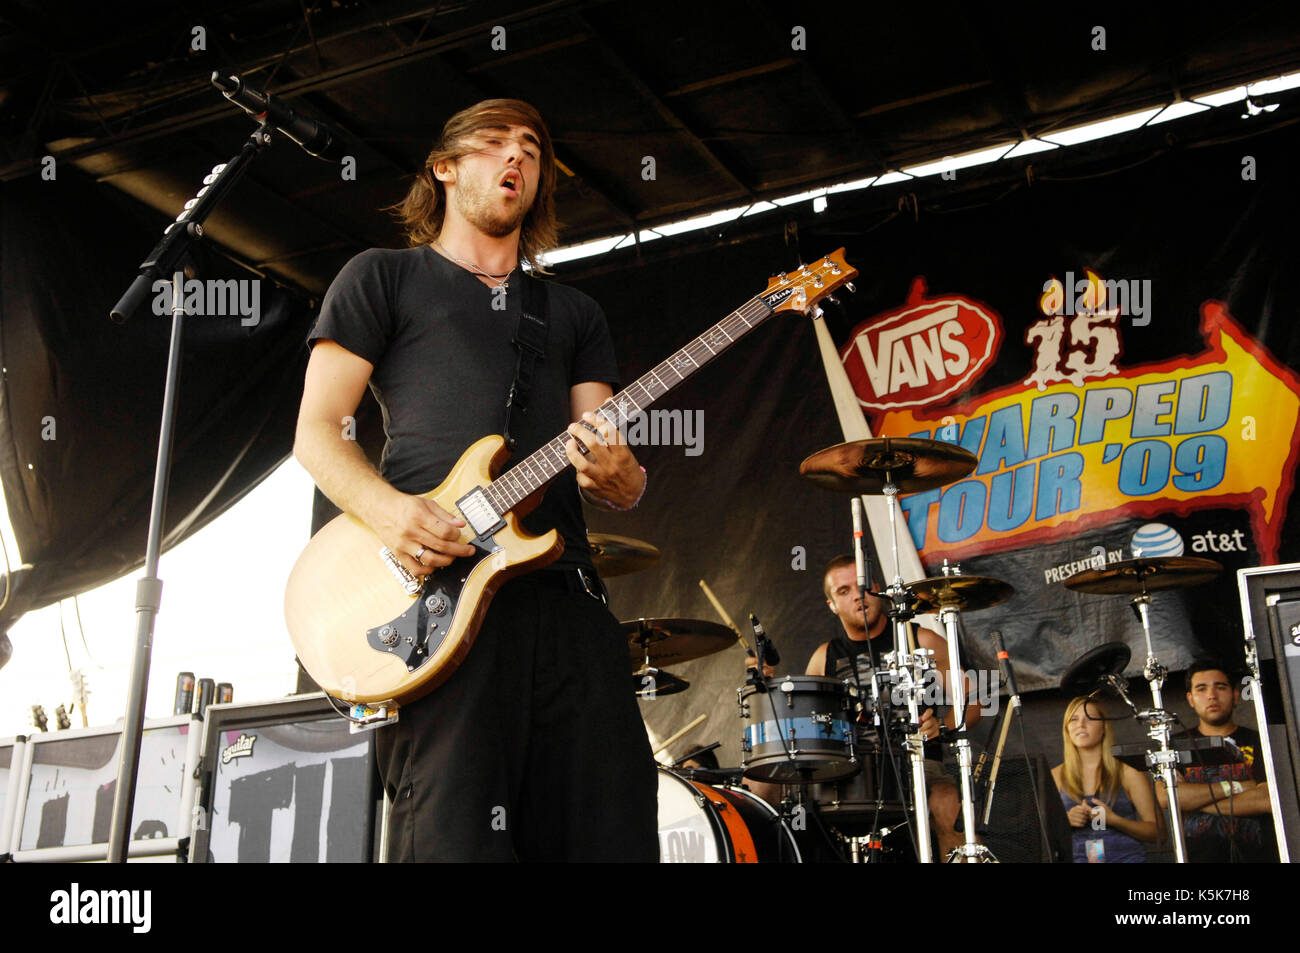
849,285
832,299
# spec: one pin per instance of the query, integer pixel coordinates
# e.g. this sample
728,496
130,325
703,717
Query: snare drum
800,730
717,824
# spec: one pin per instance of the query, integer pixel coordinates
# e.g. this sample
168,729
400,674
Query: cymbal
619,555
1148,574
967,593
653,682
668,641
861,466
1087,671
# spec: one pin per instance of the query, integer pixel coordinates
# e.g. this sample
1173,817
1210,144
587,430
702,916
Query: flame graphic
1052,300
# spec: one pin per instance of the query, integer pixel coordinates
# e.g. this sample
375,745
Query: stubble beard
477,208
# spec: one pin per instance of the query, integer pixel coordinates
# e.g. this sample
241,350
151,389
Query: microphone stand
163,261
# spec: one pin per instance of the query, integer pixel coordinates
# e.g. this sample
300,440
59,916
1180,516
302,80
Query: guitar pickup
481,516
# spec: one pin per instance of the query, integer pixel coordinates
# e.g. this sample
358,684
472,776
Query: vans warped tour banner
1120,371
1118,349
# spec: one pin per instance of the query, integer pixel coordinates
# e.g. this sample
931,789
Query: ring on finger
420,553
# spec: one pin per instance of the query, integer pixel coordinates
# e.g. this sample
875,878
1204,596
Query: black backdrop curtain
83,396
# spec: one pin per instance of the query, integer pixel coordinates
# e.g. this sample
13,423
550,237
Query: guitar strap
530,342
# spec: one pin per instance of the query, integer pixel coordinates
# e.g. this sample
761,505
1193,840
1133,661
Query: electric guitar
369,631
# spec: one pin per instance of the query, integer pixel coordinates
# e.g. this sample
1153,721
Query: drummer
832,659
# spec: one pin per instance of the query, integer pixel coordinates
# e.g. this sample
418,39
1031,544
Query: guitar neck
548,461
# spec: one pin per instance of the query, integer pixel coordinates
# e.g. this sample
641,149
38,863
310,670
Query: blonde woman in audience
1111,806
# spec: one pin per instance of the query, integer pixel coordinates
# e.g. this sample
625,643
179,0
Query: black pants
533,750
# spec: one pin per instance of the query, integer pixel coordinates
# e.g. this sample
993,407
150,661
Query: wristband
645,481
1226,788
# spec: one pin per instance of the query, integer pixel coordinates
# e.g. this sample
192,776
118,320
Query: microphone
1004,662
858,557
316,138
766,647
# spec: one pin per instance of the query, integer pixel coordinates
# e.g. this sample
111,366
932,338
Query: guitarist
534,749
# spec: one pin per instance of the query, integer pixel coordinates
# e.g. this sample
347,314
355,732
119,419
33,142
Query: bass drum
719,824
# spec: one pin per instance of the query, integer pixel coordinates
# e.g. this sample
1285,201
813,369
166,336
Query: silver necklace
503,281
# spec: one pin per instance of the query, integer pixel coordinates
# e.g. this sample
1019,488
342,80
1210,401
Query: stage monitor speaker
1014,833
1270,608
286,781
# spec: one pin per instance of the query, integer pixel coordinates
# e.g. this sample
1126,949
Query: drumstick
673,737
723,612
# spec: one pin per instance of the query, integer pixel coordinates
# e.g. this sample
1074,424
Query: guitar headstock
802,289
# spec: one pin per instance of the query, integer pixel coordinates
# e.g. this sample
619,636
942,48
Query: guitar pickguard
416,634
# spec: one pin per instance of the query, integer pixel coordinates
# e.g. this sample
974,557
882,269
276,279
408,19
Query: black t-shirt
443,365
1212,838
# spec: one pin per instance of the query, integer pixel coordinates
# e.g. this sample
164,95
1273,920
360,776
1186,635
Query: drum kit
849,754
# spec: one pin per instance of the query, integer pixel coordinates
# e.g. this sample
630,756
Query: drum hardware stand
971,852
1161,763
906,667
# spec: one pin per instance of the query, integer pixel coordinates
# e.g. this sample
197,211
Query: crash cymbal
967,593
1147,574
668,641
619,555
653,682
862,466
1086,672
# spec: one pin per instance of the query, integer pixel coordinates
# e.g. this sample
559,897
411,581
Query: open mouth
512,182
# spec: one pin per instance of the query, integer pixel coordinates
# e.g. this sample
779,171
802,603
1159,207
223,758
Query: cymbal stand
1161,763
971,852
907,667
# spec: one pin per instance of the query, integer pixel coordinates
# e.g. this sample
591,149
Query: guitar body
369,632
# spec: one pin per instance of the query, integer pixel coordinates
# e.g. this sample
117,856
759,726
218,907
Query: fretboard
548,461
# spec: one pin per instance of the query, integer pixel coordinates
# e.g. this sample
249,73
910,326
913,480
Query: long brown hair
1071,770
422,211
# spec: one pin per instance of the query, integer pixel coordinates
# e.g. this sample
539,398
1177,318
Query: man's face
844,602
494,184
1212,697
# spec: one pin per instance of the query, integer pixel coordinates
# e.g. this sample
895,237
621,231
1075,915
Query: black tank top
843,655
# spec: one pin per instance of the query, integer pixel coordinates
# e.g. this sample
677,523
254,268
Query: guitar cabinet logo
929,350
242,747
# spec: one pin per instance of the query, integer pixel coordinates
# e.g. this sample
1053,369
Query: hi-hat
1087,671
1146,574
668,641
619,555
865,466
967,593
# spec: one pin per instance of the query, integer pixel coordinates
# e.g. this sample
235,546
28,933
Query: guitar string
503,496
696,351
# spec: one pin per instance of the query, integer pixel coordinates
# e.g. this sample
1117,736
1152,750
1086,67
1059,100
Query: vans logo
926,351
